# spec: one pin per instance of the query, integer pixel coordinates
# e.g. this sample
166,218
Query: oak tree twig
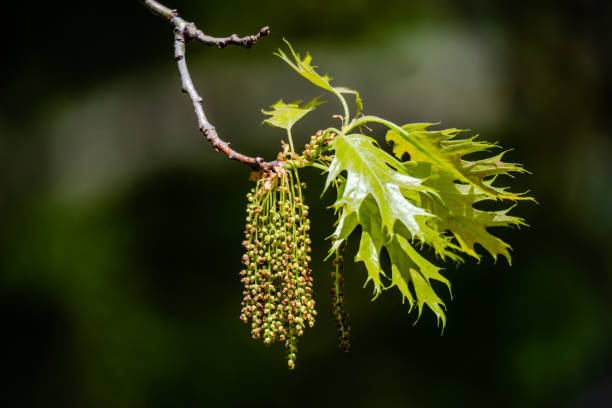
185,31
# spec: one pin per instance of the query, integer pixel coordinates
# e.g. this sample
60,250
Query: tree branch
183,32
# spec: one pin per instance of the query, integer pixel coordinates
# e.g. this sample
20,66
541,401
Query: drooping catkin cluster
277,301
337,297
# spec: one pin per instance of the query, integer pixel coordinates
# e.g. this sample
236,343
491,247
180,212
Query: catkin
277,299
337,297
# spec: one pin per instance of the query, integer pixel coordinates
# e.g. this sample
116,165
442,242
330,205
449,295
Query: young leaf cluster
421,195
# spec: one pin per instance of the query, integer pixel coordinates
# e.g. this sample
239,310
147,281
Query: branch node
191,31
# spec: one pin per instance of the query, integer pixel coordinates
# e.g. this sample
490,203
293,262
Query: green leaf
440,148
399,203
454,209
369,254
372,171
378,195
285,115
303,67
408,266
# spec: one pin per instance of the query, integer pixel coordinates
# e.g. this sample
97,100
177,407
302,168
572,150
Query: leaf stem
344,106
318,166
290,140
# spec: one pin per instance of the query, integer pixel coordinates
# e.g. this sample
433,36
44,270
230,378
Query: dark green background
120,227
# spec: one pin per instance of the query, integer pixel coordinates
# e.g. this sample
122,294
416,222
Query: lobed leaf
379,196
410,272
453,206
441,149
410,267
285,115
304,68
399,203
372,171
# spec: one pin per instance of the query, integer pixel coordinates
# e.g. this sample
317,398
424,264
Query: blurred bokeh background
120,227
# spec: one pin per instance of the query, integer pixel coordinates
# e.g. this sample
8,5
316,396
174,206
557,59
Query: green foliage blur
120,227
